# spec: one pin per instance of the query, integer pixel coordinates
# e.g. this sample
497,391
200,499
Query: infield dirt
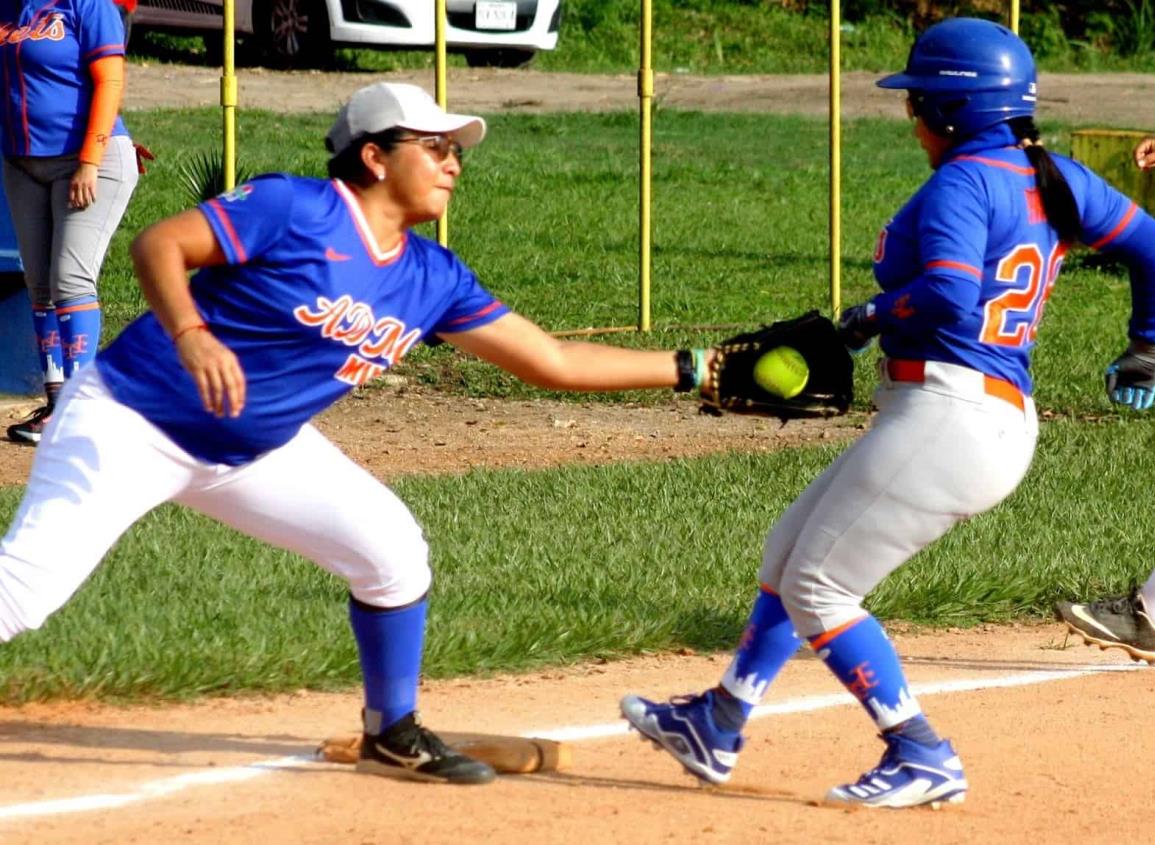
1061,760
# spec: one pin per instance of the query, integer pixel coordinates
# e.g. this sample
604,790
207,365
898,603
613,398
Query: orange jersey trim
1114,233
107,87
994,162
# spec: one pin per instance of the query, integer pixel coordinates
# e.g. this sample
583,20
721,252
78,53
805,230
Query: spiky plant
203,175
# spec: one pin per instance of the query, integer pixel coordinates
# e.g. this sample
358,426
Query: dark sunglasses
439,145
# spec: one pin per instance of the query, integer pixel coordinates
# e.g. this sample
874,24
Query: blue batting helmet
966,74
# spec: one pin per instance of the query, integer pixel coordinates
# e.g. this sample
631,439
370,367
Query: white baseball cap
388,105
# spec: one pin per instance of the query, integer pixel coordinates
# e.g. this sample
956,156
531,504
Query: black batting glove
857,326
1130,378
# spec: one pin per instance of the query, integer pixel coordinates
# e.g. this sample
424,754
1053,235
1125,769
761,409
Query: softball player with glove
965,268
304,289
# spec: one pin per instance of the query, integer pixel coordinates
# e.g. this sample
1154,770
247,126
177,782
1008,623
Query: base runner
966,267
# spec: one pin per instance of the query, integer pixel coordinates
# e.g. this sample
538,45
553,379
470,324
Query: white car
499,33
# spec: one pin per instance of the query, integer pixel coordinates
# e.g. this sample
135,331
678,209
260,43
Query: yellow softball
782,371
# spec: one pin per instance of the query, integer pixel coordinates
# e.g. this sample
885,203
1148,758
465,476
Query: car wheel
498,57
293,32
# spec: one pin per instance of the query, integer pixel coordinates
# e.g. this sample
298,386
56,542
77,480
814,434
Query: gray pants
63,248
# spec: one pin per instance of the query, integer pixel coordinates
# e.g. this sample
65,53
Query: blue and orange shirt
968,263
46,47
308,304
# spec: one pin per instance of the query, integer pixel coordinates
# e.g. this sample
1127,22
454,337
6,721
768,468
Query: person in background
69,171
1125,622
1145,153
965,268
127,10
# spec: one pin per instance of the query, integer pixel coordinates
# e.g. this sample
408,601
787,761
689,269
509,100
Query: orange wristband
187,329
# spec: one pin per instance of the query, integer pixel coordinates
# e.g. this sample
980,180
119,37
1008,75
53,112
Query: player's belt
954,379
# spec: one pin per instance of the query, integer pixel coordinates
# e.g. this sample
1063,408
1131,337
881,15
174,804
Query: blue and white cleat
685,727
909,775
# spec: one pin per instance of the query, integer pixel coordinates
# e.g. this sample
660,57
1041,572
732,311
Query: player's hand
1145,154
1131,377
216,371
82,188
857,326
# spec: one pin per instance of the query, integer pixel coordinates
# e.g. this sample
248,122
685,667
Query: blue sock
51,356
767,643
79,321
863,658
390,642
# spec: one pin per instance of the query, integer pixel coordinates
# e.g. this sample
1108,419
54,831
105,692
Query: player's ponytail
1058,201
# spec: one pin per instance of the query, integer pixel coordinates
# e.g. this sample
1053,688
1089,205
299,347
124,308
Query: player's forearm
163,276
579,365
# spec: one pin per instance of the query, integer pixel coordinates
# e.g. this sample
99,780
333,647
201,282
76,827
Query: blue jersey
309,306
45,49
968,263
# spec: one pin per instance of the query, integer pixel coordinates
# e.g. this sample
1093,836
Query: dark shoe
685,728
407,749
32,426
1118,622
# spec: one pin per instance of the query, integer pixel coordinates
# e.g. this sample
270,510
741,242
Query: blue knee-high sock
390,642
863,658
767,643
51,356
80,321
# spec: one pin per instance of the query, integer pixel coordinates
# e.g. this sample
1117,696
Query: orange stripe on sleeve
1114,233
493,306
107,87
956,265
823,638
227,225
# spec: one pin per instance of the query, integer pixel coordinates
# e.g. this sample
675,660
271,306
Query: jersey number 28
1012,318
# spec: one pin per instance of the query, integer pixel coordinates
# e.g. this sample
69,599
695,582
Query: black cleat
29,429
1117,622
407,749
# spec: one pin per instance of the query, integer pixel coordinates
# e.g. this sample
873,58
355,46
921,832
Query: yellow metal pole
229,98
835,158
645,98
442,98
1015,16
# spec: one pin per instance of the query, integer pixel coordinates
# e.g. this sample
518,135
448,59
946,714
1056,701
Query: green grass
578,563
725,37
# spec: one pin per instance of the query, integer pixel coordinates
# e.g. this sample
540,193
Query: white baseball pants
101,466
937,453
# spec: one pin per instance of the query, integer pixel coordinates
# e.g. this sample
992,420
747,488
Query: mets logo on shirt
48,28
354,324
238,194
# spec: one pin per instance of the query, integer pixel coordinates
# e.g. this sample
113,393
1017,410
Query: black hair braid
1058,201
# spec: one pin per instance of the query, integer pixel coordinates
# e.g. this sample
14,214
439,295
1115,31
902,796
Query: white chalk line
801,704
